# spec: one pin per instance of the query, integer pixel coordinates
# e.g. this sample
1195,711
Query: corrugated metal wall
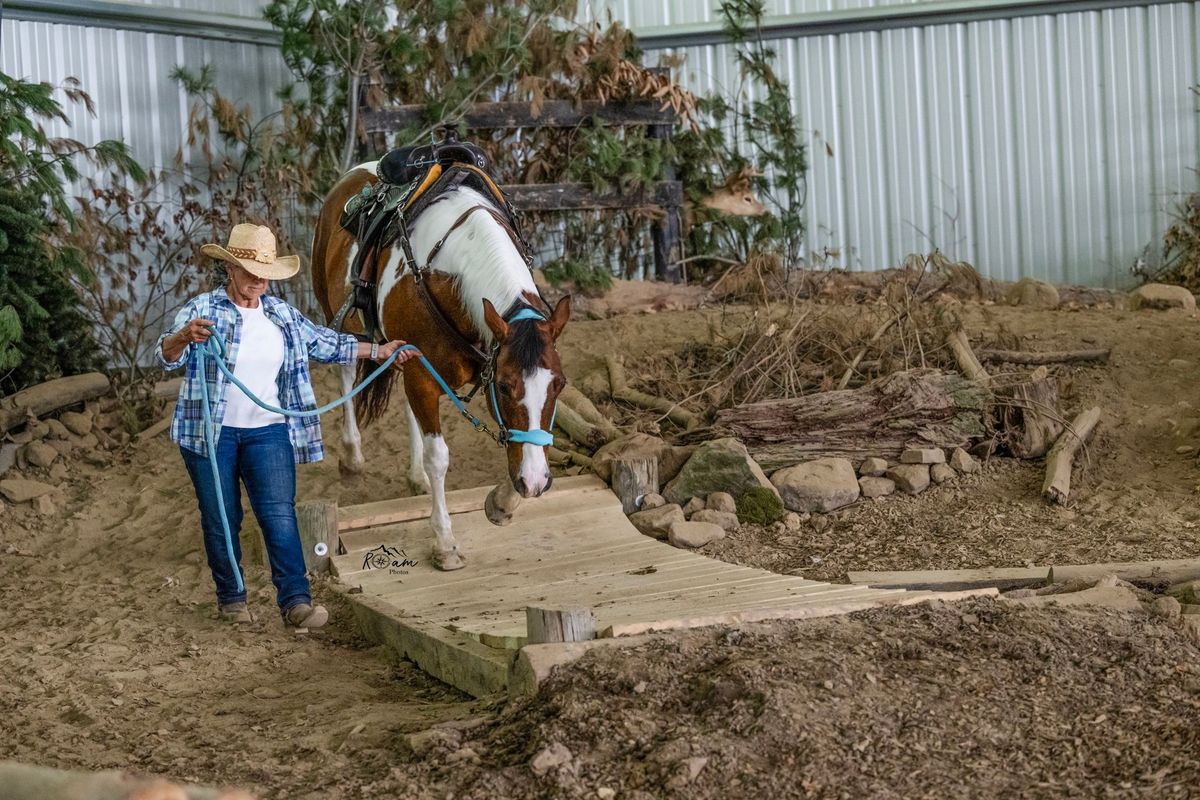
1049,146
127,74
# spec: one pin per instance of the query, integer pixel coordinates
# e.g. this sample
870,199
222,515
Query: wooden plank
577,196
491,116
451,657
460,501
1171,571
549,625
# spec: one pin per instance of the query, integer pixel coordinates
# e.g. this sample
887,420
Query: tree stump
550,625
633,479
1030,416
318,525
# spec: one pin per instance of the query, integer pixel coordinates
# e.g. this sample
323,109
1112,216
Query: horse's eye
504,390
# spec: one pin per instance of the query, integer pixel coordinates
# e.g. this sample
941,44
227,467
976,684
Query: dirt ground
111,655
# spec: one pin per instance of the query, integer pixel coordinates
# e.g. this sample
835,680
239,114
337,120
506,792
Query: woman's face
247,287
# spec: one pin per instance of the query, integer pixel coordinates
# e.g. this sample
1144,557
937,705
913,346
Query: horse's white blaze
534,469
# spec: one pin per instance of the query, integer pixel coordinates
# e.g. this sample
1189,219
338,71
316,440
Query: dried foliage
794,346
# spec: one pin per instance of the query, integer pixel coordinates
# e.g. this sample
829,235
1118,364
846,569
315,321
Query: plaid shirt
302,340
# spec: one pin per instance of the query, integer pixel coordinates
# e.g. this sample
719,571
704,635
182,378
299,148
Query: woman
268,344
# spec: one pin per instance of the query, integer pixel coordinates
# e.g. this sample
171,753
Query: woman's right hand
197,331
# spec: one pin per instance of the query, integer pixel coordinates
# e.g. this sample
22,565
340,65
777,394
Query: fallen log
622,391
50,396
1141,572
1061,460
965,356
582,404
913,408
571,457
1036,359
578,429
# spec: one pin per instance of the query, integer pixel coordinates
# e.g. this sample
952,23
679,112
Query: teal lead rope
215,348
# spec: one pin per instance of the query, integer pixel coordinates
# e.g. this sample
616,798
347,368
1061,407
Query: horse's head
524,390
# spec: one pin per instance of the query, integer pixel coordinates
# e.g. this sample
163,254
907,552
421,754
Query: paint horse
481,285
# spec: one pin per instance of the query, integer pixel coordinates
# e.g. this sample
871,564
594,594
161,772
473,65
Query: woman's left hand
385,350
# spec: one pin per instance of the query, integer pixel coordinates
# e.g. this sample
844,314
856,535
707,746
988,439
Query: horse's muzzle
523,489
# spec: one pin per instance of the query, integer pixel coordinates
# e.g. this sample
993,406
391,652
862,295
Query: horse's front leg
423,397
418,481
352,457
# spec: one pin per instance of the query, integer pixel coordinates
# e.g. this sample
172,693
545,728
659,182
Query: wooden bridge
572,548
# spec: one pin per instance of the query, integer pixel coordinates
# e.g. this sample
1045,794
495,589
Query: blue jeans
263,459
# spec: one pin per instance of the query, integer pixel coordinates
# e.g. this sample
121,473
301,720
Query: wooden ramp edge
1171,571
572,548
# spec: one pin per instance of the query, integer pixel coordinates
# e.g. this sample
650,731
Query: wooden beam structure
1165,572
493,116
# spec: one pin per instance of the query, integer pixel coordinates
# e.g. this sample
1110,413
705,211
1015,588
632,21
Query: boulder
923,455
1117,597
57,429
40,454
727,521
722,501
694,505
22,490
1033,293
961,460
37,429
1162,296
872,487
910,478
1166,607
820,485
940,473
721,465
652,500
694,534
63,446
873,467
76,423
640,445
657,521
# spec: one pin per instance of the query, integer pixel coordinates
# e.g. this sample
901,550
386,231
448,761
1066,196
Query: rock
57,429
1117,597
1186,592
652,500
657,521
873,467
552,757
606,793
694,505
721,465
1179,363
37,429
1161,296
8,456
961,460
21,490
421,743
1033,293
910,478
722,501
267,693
40,454
923,455
63,446
88,441
727,521
76,423
641,445
791,521
694,534
1166,607
872,487
820,485
940,473
44,506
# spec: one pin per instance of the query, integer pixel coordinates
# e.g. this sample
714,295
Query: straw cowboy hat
253,248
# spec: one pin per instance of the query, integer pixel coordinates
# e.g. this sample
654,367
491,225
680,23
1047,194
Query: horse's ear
495,322
558,319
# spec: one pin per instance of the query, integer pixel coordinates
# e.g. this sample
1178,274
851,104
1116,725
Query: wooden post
549,625
665,232
318,523
633,479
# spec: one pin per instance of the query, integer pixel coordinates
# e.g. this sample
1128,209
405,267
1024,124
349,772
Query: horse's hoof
350,467
495,515
417,487
448,560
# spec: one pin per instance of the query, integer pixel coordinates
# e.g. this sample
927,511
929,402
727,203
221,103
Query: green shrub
759,506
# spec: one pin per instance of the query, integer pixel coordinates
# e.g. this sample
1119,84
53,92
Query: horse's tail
373,400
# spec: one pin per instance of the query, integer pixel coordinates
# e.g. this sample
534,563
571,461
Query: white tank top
259,359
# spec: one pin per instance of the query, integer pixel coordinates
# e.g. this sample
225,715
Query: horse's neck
479,256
